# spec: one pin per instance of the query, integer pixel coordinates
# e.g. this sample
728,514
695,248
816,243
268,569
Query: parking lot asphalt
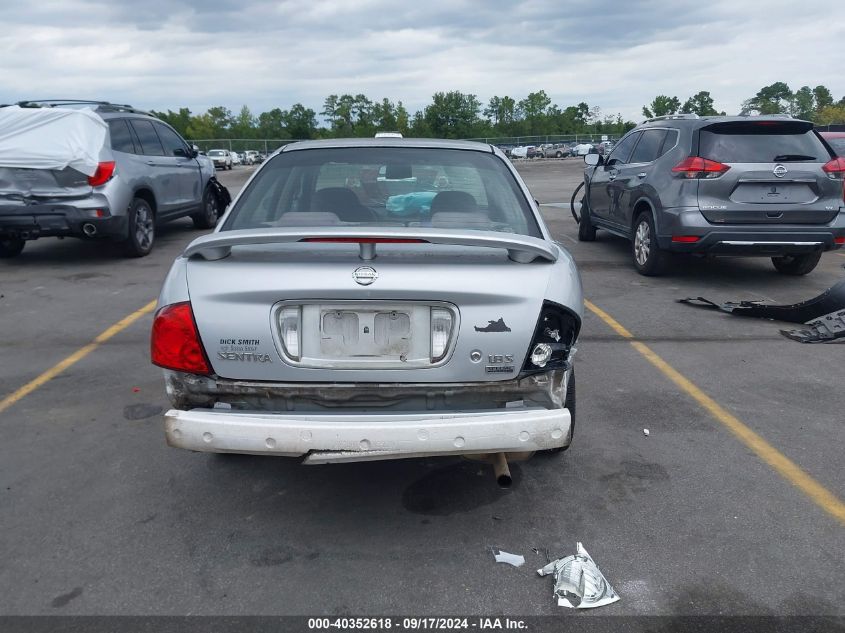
98,516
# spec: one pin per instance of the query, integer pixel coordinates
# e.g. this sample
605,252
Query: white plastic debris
578,579
645,432
51,138
516,560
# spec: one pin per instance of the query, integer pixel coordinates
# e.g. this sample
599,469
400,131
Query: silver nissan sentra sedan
370,299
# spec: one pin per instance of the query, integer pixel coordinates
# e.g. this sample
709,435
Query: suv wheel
796,264
649,260
207,219
586,230
141,229
11,247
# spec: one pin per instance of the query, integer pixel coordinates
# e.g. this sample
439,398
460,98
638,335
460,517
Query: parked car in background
91,169
321,317
582,149
836,140
236,158
251,157
555,150
750,186
222,158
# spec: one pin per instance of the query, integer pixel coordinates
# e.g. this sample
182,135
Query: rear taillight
441,333
290,325
698,167
835,168
839,240
553,339
175,341
105,170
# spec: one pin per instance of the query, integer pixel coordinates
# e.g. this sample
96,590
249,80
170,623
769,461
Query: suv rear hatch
774,174
19,184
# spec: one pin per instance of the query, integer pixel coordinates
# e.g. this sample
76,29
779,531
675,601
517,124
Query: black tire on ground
586,230
10,247
207,218
558,155
797,264
648,258
570,404
141,221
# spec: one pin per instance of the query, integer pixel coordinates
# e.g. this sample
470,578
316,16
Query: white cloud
170,53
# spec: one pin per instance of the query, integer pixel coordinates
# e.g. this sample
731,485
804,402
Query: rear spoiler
521,248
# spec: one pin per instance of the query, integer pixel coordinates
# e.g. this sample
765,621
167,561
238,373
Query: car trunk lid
382,330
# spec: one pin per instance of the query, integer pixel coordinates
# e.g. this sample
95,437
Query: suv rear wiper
788,157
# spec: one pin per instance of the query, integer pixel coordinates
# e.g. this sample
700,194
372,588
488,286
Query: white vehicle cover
51,138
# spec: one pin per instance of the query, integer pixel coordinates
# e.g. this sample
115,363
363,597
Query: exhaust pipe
89,229
501,470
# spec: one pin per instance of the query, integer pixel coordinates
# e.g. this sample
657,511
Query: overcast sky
163,54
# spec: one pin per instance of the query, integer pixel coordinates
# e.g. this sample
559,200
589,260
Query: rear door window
648,148
761,142
838,145
622,152
150,143
121,137
171,141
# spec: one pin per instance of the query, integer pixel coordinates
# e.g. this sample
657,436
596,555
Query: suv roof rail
667,117
103,106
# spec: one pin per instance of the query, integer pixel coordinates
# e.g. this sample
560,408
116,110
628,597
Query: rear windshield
761,142
378,186
216,152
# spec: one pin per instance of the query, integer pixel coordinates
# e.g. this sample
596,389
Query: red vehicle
836,140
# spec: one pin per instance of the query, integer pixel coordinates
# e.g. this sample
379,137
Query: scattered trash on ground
824,315
516,560
579,580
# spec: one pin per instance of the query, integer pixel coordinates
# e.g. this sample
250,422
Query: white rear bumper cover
346,437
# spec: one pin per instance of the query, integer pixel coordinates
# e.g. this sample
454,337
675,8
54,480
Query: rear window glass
761,142
649,146
669,142
121,137
377,186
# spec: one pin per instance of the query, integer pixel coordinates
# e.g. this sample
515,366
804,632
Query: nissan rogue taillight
698,167
835,170
105,170
175,342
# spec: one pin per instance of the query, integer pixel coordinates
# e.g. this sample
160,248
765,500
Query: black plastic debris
824,315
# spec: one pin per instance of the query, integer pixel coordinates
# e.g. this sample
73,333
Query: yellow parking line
788,469
74,358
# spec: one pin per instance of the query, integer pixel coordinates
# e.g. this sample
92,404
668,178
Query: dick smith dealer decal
242,349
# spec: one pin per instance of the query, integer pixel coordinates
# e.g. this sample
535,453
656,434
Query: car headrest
459,201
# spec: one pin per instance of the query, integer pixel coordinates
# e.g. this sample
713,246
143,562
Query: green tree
662,105
832,114
700,103
533,110
773,99
453,114
244,124
271,124
300,122
823,97
803,104
402,118
178,120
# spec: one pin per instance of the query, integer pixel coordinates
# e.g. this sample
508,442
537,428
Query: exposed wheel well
147,195
642,207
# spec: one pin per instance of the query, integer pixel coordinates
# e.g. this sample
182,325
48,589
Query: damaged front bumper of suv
335,422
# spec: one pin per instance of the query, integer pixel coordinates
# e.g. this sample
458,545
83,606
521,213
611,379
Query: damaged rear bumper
346,437
334,422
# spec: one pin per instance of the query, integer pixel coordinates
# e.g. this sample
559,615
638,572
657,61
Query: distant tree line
457,114
813,104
